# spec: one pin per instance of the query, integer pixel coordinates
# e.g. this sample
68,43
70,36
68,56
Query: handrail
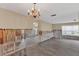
9,47
16,51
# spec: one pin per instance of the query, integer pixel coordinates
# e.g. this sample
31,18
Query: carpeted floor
55,47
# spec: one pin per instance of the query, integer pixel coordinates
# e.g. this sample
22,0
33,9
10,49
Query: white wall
45,26
12,20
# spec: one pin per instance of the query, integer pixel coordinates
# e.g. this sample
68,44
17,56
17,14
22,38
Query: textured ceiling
65,12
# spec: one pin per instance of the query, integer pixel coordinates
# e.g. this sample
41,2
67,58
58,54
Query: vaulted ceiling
65,12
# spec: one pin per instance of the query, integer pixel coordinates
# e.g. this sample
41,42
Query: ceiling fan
53,15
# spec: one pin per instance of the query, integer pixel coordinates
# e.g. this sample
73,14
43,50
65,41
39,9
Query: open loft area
39,29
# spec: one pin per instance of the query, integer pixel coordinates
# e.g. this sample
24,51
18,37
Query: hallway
55,47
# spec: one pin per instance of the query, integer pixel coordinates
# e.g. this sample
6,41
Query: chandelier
34,11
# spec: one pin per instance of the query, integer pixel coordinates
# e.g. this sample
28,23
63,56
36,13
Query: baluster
14,47
1,50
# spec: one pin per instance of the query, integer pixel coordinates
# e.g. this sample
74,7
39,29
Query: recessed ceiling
65,12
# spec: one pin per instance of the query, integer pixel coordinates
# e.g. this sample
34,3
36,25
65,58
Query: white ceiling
65,12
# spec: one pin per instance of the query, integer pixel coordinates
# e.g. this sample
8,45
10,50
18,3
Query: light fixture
34,11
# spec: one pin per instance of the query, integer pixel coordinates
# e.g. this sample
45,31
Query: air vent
53,15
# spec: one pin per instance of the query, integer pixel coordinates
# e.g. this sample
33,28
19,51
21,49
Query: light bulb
32,9
39,10
28,11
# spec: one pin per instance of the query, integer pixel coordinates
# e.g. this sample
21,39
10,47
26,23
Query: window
70,30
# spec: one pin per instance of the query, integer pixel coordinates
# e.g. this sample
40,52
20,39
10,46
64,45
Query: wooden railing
12,48
10,39
17,52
